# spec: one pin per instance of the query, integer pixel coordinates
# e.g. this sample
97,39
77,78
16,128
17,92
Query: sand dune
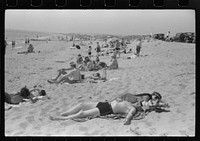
168,68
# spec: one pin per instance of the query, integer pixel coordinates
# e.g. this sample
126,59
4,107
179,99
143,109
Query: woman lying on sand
145,97
74,76
97,109
25,95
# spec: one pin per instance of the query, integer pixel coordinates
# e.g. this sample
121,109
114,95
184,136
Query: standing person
167,35
117,48
98,49
90,52
13,44
138,47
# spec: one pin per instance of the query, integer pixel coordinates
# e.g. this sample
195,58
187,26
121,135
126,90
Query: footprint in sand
23,125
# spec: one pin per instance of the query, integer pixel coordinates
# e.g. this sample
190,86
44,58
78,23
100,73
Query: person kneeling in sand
74,76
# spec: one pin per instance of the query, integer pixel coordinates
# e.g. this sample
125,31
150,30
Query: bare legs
79,111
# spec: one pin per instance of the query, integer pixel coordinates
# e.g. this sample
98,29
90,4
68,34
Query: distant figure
114,64
78,47
167,35
117,48
26,41
74,76
79,59
98,49
30,48
138,47
13,44
90,52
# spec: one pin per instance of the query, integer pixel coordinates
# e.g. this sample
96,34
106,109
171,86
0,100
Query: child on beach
74,76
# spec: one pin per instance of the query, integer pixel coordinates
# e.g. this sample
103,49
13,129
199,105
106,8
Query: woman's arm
129,116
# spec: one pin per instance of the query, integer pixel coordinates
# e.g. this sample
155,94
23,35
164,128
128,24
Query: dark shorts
117,48
7,98
104,108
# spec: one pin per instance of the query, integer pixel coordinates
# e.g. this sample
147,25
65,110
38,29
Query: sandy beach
166,67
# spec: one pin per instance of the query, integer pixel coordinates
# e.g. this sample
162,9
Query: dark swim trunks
104,108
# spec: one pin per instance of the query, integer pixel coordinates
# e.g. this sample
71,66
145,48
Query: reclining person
74,76
97,109
24,95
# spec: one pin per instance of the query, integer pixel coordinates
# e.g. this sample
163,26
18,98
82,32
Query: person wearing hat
73,76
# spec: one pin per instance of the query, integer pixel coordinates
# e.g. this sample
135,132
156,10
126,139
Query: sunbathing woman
97,109
145,97
24,95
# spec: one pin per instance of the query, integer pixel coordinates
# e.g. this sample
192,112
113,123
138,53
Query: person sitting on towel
30,48
74,76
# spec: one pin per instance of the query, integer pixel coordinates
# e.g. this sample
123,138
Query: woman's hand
127,122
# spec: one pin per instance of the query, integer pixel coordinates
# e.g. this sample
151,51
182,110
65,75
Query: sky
120,22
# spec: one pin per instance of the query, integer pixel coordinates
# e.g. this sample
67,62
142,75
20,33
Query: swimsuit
104,108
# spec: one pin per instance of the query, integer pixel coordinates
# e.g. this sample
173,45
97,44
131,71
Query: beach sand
168,68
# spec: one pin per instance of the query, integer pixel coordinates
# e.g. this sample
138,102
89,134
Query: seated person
30,48
63,71
24,95
99,65
79,59
114,64
74,76
83,66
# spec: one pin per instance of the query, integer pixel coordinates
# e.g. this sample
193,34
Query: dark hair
24,92
42,92
158,96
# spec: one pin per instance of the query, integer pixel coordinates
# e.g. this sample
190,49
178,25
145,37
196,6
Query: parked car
159,36
186,37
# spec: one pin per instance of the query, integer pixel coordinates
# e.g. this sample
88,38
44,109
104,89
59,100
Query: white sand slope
168,68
